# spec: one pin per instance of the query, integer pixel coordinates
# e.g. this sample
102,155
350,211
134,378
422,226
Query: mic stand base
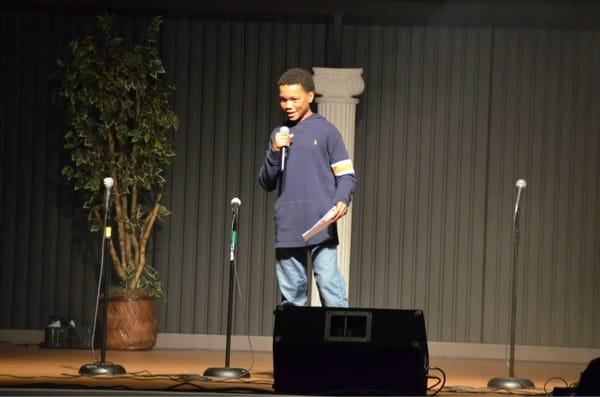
227,372
101,369
510,383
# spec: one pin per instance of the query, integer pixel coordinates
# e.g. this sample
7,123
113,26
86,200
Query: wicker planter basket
131,321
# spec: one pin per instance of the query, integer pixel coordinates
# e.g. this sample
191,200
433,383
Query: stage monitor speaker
589,382
319,350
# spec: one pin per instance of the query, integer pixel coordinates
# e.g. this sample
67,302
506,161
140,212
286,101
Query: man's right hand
282,139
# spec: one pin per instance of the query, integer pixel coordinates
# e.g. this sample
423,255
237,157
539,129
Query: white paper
320,225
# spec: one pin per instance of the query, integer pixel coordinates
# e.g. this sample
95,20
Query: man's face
295,101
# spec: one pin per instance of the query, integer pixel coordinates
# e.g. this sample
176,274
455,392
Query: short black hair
297,76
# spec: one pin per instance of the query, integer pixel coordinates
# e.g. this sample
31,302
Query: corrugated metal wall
451,117
226,72
422,152
545,127
43,239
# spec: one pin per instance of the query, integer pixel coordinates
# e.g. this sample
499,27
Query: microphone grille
284,129
108,182
236,202
522,183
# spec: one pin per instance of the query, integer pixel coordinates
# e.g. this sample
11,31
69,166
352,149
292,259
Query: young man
318,175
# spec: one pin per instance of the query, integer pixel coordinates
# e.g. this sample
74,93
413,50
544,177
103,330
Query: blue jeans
293,282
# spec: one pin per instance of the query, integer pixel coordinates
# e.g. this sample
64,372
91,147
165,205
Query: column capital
338,84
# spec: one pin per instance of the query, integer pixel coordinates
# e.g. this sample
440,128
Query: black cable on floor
442,380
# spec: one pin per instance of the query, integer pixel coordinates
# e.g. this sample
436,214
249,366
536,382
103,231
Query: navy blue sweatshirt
318,174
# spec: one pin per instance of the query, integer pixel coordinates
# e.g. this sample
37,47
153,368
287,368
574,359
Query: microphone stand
103,367
513,382
228,372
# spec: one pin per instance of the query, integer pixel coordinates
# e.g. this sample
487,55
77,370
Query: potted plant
120,124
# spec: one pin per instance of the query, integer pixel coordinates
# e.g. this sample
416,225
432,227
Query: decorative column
337,103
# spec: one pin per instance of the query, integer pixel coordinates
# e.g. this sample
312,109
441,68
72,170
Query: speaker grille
349,351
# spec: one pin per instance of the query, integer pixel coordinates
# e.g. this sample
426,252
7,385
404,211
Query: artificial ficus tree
120,124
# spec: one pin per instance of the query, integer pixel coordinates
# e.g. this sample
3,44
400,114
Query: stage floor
29,369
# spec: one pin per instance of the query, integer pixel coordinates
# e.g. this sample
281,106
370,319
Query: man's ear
311,96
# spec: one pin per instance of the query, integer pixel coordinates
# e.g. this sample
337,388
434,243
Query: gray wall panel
35,276
4,98
227,108
8,158
207,160
545,129
422,135
592,205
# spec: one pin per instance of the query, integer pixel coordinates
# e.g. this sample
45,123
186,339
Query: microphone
521,184
108,183
285,130
235,207
235,204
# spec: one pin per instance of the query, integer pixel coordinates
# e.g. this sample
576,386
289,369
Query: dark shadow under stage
31,370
